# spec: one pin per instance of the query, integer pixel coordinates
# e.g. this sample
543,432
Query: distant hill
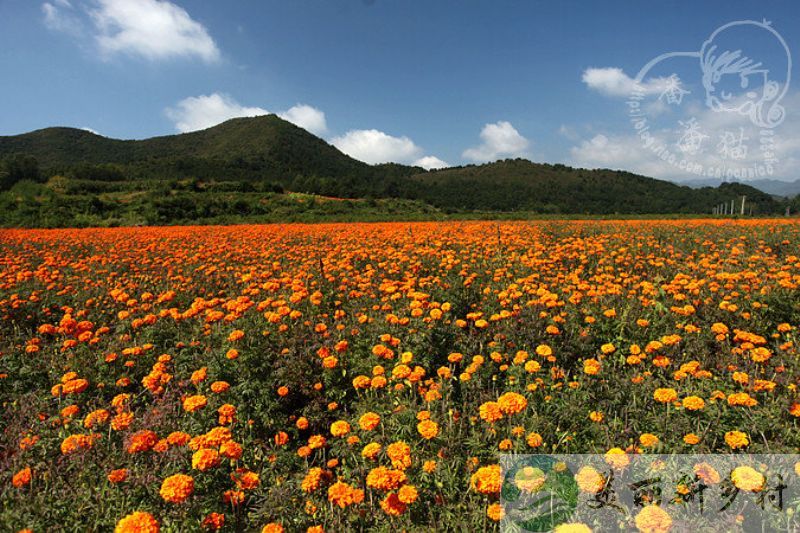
519,184
786,189
70,176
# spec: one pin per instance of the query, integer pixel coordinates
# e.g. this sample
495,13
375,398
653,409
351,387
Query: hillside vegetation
248,169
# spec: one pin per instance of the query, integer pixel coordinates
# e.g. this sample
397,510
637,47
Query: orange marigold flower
369,421
218,387
178,438
205,459
138,522
177,488
487,480
118,476
392,505
408,494
214,521
343,495
653,519
74,443
495,512
316,442
400,454
490,412
534,440
428,429
736,439
194,403
22,478
665,395
142,441
245,479
383,478
512,403
231,449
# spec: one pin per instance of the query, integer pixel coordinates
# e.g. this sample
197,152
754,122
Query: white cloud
429,161
152,29
90,130
612,81
59,16
626,150
499,139
373,146
307,117
201,112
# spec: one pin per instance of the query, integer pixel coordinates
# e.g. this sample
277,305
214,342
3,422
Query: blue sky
416,82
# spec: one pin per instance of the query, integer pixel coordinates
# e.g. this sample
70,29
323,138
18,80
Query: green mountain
518,184
254,168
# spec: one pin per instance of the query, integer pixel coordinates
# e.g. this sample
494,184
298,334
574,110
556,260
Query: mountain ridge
268,155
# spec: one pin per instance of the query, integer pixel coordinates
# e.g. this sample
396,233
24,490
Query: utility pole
743,198
733,207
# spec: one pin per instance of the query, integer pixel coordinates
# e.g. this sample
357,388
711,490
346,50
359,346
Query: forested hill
239,169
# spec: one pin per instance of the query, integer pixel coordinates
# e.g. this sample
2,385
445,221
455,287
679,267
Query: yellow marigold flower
691,439
747,478
648,440
653,519
534,440
617,458
428,429
590,480
736,439
608,348
340,428
371,450
591,367
596,416
693,403
138,522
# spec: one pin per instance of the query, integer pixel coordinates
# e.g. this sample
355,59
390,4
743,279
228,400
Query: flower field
367,376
